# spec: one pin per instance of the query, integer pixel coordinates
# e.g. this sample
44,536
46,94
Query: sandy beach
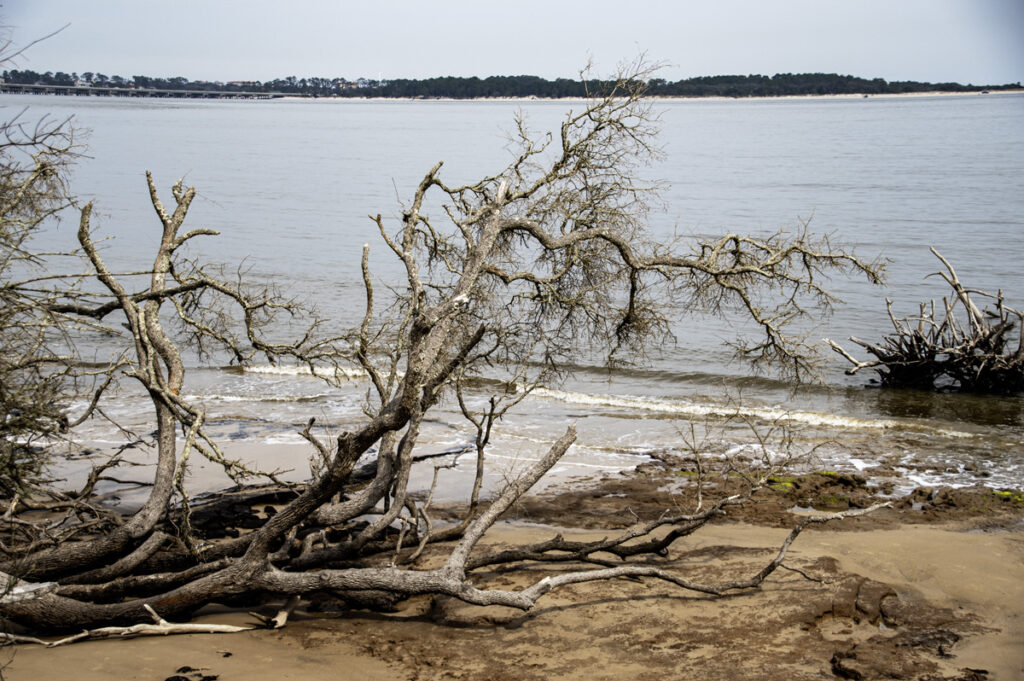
930,589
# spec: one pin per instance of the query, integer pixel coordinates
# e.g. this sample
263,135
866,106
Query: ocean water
290,185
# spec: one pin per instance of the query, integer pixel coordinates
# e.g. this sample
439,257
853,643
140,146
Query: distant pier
110,91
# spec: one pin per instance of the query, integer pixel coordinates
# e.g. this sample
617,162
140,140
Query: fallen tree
955,346
506,279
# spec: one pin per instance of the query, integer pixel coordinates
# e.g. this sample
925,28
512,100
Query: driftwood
954,346
159,627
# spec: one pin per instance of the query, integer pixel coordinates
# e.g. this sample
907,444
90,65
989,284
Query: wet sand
929,590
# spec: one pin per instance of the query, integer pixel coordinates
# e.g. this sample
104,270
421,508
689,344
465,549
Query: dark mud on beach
616,501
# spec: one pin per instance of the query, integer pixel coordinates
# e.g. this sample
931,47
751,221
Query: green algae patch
1013,496
782,483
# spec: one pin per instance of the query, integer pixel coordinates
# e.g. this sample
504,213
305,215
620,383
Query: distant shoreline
658,98
500,88
211,95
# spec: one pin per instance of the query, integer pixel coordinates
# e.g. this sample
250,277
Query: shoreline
534,98
655,98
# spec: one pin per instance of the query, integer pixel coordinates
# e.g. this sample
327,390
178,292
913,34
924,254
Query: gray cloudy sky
976,41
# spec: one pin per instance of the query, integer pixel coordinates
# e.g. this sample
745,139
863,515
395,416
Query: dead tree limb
160,627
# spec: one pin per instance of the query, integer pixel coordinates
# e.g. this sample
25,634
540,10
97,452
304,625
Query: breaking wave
303,370
259,398
691,409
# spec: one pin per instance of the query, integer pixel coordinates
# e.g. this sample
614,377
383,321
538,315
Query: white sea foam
759,453
285,438
349,373
683,408
258,398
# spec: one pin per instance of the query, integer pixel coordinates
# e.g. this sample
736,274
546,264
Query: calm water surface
290,184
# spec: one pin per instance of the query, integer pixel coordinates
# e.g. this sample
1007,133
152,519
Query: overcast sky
968,41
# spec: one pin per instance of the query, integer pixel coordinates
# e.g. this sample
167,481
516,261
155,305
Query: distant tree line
782,84
451,87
